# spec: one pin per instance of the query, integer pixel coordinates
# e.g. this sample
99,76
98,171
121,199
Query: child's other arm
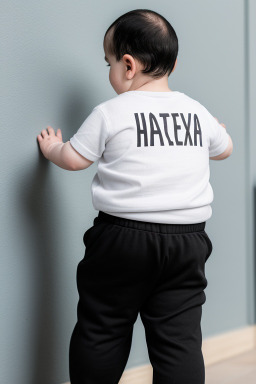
226,153
228,150
61,154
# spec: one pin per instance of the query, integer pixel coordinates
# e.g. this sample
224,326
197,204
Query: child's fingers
50,130
59,134
44,133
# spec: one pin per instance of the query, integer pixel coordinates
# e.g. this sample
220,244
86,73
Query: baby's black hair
148,37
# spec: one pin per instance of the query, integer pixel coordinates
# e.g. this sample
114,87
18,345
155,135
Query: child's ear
130,64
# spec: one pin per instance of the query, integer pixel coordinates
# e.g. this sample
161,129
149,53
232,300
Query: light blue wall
251,155
53,73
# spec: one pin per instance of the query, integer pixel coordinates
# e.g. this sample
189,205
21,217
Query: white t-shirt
153,152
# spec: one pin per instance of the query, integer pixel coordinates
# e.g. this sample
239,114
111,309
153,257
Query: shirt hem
179,216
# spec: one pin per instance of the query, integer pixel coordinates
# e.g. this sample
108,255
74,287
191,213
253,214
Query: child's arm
226,153
228,150
61,154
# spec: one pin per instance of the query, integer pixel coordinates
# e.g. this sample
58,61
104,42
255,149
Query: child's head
140,46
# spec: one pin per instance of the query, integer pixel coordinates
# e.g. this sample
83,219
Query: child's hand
47,141
223,125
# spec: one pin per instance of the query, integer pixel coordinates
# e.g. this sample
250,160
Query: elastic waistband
148,226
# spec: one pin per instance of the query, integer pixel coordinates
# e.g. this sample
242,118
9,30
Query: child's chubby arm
61,154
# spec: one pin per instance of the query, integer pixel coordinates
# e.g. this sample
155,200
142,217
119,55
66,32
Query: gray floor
236,370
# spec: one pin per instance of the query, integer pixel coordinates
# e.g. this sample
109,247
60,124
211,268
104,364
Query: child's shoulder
194,102
104,105
198,106
121,100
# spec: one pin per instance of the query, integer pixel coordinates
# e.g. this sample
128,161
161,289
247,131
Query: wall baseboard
215,349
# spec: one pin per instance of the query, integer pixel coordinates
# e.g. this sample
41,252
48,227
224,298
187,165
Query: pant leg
172,314
112,280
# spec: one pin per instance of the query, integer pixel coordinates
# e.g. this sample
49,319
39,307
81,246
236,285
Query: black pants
131,267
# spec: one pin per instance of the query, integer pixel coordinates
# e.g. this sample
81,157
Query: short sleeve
90,139
219,138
